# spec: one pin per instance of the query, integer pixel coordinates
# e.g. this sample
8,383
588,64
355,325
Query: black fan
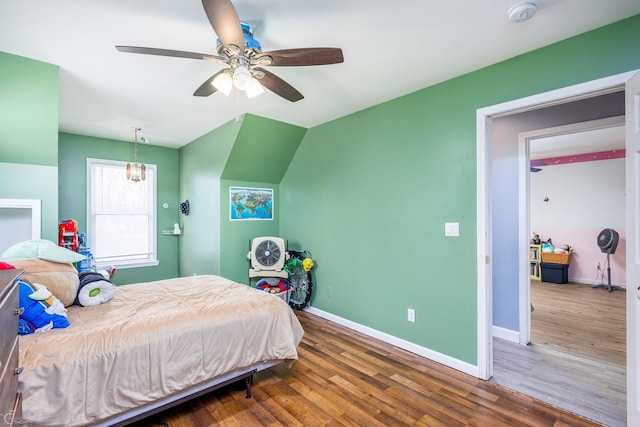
533,165
608,242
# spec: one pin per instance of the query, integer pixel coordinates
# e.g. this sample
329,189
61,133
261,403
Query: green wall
263,150
254,153
28,111
369,194
29,135
73,153
237,235
201,164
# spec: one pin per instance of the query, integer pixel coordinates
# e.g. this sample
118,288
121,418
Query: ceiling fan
243,54
535,166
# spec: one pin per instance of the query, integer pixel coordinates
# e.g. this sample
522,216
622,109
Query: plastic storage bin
555,273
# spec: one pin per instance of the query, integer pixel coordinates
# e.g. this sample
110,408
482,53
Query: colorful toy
307,264
95,289
68,234
41,309
273,285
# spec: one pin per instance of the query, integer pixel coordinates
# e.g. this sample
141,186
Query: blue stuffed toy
42,310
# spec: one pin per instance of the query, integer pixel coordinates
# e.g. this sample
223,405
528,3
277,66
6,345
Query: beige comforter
151,340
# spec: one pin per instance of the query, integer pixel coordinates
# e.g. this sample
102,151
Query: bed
153,345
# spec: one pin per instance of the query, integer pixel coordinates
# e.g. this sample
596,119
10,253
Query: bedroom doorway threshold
587,387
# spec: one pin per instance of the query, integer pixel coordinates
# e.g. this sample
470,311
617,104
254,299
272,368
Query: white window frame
152,259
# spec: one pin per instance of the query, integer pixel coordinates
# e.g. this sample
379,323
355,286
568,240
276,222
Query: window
121,215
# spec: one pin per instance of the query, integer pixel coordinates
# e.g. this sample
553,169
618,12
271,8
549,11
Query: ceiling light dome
223,82
242,77
254,89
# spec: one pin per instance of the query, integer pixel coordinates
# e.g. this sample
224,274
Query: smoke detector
522,11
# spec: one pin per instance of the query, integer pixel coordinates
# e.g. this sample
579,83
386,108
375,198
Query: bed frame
168,402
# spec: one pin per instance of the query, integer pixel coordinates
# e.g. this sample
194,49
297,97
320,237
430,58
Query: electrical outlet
411,315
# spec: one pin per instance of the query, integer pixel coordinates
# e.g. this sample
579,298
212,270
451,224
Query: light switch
452,229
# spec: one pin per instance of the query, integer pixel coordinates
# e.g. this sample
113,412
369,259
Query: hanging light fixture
241,74
240,78
136,171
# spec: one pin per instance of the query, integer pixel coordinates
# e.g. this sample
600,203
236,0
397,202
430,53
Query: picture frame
250,204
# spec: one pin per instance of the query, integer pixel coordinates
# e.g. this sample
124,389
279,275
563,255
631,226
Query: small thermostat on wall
452,229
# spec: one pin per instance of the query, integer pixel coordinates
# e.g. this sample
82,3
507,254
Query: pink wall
587,253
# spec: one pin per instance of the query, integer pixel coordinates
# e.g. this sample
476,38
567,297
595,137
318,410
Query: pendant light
136,171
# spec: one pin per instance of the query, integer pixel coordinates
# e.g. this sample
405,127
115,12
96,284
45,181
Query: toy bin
284,296
556,258
555,273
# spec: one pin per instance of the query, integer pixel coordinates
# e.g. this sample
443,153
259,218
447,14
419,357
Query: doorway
576,189
492,162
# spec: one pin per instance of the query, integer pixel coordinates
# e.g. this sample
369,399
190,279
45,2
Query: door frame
524,205
484,117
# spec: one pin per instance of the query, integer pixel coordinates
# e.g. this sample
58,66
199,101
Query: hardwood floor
577,357
589,387
346,378
579,319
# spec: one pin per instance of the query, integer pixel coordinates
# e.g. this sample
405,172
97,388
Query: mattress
150,341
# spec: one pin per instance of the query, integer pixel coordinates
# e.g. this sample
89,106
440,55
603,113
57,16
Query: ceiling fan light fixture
242,77
223,83
254,89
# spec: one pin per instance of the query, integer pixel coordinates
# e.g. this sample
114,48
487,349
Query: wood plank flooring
589,387
577,359
346,378
579,319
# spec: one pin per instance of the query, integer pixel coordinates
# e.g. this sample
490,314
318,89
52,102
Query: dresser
10,399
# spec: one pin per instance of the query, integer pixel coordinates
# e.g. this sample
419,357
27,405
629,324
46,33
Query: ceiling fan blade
169,52
538,163
207,88
278,86
304,56
224,20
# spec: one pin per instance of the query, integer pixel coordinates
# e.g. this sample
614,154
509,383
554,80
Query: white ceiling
391,48
579,142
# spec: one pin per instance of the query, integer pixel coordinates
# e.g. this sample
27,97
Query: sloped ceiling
262,150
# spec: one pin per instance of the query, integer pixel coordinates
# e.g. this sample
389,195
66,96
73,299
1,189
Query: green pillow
42,249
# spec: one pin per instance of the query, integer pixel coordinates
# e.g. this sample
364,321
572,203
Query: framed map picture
250,203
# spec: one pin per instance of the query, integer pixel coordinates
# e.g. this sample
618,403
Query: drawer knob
18,371
19,311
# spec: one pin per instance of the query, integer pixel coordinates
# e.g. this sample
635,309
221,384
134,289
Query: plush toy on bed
94,289
41,309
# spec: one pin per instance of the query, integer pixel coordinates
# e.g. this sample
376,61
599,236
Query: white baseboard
505,334
593,283
449,361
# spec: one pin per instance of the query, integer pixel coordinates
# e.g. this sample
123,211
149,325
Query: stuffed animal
272,285
41,309
95,289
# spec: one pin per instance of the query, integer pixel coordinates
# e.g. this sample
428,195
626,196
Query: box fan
268,256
